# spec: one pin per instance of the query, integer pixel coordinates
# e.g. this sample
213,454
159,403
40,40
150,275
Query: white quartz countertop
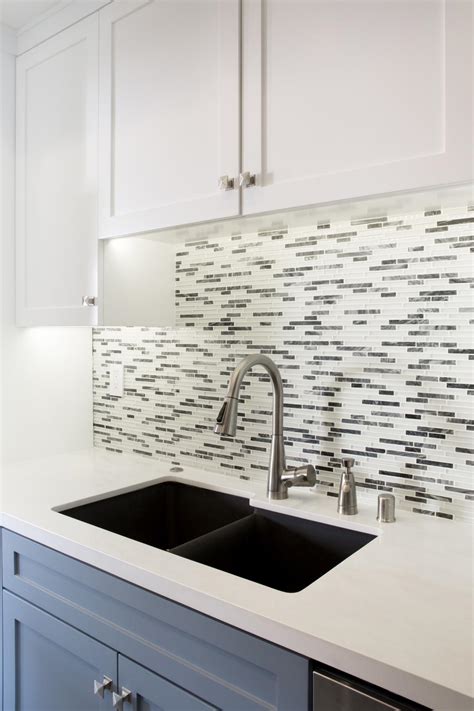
398,613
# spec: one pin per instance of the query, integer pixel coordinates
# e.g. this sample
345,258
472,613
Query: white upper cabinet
346,98
56,213
143,116
169,113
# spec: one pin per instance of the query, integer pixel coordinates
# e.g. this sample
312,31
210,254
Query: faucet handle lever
300,476
348,462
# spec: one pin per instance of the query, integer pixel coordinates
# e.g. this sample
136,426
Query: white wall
46,374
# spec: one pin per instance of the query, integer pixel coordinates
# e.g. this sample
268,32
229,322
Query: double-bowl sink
223,531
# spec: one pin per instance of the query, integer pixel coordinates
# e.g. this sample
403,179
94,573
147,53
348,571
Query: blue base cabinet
78,639
68,625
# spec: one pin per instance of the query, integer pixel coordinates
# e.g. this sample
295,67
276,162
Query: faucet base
278,495
347,512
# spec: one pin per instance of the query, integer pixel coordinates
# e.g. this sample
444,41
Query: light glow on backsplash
370,322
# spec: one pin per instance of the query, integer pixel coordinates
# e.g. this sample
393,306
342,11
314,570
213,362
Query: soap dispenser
347,501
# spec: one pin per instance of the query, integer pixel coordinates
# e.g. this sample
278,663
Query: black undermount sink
225,532
163,515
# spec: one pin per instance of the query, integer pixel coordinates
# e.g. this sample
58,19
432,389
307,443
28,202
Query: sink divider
218,543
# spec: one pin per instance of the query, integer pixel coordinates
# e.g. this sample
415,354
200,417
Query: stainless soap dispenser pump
347,501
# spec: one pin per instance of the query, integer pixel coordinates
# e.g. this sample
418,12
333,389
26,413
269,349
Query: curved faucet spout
230,408
279,477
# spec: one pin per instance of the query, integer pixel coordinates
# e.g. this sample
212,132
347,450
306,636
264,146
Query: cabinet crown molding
61,16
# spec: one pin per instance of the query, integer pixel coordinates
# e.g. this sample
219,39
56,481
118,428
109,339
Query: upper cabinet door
169,113
56,214
343,99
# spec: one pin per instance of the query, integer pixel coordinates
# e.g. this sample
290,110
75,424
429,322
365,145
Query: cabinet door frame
452,166
221,204
17,611
85,30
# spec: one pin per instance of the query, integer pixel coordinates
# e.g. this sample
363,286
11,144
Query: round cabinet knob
226,183
101,686
89,301
246,180
118,700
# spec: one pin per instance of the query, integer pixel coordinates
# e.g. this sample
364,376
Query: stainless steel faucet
279,477
347,501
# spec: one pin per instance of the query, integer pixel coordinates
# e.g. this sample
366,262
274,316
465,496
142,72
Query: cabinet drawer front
229,668
48,665
153,693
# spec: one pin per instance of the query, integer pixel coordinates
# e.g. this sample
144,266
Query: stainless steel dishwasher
334,692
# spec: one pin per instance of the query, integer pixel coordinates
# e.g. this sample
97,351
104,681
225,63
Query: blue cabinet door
150,692
50,666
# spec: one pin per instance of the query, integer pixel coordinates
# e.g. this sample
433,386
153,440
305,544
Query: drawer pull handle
119,699
246,180
101,686
226,183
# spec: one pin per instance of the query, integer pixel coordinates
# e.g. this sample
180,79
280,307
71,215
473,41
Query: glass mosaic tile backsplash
370,322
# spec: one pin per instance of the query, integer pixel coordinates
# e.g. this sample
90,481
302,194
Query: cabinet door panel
48,665
169,116
57,111
151,692
345,99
